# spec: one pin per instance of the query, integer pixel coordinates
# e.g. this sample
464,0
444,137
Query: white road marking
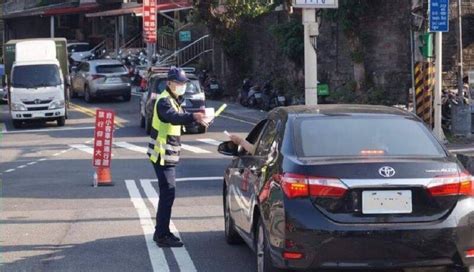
21,166
181,254
131,147
83,148
47,130
156,254
195,149
32,163
57,154
43,159
209,141
9,170
471,149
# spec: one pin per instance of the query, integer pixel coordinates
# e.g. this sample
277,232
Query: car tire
16,123
74,93
264,261
61,121
87,94
231,235
127,97
147,126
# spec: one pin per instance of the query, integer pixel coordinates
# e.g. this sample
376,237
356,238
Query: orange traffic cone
104,177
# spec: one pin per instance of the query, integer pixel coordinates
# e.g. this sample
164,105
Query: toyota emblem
37,101
387,172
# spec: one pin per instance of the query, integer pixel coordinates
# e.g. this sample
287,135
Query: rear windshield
193,87
33,76
78,48
111,69
364,136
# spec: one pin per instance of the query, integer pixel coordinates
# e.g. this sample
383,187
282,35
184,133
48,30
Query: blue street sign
439,15
185,36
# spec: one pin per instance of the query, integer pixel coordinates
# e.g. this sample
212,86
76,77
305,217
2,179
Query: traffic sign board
439,15
315,3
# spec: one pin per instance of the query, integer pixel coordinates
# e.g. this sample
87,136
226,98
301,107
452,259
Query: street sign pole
310,58
439,23
310,35
438,130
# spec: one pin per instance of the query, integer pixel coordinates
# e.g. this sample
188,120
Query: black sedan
344,186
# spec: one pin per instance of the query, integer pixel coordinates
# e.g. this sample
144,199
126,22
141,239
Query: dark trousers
166,181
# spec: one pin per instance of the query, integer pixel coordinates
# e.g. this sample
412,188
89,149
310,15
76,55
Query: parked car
344,186
79,51
192,101
101,78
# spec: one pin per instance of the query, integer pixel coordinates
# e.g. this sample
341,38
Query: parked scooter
255,97
244,92
272,97
212,88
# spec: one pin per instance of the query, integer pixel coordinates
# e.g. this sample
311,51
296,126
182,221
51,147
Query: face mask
180,90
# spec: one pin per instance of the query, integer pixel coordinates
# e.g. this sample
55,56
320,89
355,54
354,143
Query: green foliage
290,39
349,14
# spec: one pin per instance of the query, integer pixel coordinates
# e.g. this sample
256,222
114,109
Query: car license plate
281,99
387,202
214,86
114,80
258,95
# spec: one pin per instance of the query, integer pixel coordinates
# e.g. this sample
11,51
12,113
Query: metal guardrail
166,41
189,53
136,42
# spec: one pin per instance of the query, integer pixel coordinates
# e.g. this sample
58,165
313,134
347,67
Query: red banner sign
103,134
149,21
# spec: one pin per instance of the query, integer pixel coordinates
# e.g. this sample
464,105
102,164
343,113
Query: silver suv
101,78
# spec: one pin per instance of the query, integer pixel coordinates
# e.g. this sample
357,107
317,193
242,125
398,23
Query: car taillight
470,253
94,77
295,185
461,184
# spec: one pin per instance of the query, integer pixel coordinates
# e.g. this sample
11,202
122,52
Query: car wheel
231,235
87,94
73,93
61,121
16,123
147,126
264,262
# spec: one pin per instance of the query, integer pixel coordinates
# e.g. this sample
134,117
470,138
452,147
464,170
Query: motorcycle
213,88
244,92
255,97
272,98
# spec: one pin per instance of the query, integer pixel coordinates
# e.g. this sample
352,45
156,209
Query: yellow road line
92,113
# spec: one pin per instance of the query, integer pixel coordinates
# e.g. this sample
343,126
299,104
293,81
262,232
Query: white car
79,51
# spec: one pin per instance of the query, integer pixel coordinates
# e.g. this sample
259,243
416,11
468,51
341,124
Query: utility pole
310,35
310,57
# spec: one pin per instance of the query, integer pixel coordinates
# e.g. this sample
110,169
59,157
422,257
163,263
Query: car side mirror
228,148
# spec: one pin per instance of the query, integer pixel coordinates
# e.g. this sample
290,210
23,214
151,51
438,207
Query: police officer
164,150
